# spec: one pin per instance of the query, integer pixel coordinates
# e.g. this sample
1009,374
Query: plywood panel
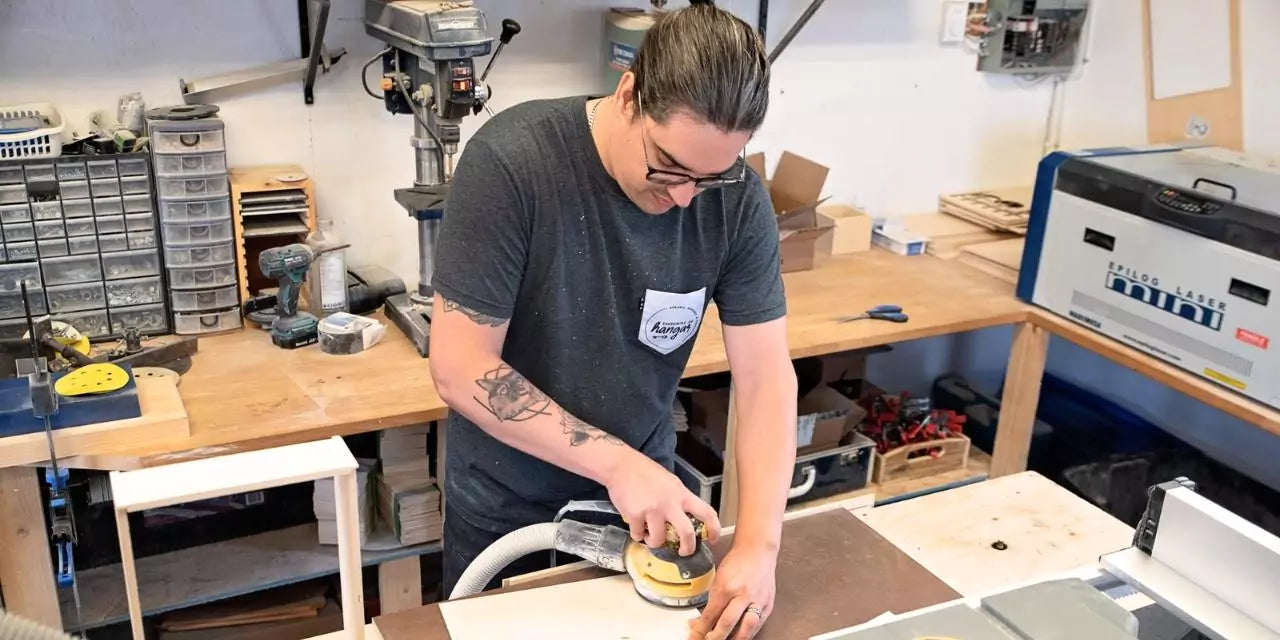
600,609
1212,116
1045,529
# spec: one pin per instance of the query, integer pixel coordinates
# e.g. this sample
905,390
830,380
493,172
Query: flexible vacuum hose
14,628
508,549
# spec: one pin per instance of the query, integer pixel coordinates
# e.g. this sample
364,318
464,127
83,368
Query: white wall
866,89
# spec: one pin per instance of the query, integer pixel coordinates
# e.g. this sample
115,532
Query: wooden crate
898,465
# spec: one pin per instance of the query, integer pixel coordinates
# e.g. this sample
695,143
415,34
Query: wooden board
1001,259
1213,117
225,475
599,609
1210,393
289,396
28,590
163,423
1047,530
856,576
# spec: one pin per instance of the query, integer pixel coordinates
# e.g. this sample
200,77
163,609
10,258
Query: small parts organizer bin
81,232
196,224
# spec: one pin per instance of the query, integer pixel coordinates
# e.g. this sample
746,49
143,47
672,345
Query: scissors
888,312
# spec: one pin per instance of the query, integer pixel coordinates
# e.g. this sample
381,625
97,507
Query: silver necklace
591,122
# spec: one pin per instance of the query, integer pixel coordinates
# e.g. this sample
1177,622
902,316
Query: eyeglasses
676,178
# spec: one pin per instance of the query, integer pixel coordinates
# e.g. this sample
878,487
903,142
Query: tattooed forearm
476,316
581,433
510,396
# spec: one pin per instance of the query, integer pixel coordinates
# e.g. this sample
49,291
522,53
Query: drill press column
429,72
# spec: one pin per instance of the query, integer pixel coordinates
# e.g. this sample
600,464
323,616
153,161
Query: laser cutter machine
1174,251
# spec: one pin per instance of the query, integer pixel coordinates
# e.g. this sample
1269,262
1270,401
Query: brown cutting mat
833,572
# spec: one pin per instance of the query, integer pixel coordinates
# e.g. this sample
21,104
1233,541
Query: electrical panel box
1034,37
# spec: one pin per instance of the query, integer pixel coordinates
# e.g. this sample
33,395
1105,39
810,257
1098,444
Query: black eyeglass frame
676,178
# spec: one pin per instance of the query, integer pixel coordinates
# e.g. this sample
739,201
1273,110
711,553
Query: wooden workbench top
244,393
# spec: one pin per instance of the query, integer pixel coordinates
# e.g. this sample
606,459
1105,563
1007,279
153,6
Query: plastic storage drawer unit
50,229
199,256
12,275
11,304
48,210
21,251
72,270
181,234
52,248
73,189
110,224
129,293
102,169
174,137
206,300
142,239
15,213
191,164
71,170
40,173
113,242
82,245
131,264
195,210
11,174
82,208
91,323
145,318
18,232
202,277
189,323
132,166
202,187
108,206
137,204
104,187
80,227
76,297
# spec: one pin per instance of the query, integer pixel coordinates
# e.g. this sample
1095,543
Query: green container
624,31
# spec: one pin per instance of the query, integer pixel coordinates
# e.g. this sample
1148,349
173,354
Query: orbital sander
660,575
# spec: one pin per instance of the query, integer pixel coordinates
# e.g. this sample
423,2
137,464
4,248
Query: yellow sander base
661,582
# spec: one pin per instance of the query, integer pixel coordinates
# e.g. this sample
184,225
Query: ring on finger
757,611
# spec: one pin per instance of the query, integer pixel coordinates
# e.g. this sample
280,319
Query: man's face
655,164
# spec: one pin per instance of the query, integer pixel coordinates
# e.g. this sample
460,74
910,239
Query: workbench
1046,530
242,393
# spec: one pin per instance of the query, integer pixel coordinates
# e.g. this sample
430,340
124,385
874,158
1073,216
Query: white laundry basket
43,142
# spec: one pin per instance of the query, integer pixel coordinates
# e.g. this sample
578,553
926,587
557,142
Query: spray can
327,279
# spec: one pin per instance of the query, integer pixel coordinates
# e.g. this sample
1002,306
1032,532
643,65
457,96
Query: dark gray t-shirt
604,300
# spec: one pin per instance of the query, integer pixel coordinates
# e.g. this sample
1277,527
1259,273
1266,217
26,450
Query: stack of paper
408,498
327,514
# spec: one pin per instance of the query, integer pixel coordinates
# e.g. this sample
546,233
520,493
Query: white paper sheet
1190,46
601,609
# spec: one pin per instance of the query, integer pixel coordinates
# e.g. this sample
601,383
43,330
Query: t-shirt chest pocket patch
668,320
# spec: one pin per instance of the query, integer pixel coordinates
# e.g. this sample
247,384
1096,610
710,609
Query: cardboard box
852,231
825,417
796,192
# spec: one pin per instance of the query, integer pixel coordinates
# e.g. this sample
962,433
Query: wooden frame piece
237,473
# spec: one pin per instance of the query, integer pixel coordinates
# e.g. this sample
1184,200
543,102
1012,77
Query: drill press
292,328
429,71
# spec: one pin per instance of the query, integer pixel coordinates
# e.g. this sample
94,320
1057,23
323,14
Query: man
583,240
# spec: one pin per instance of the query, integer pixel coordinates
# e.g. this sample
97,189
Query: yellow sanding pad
92,379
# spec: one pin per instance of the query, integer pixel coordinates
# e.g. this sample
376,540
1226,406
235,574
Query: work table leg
1021,396
26,572
727,510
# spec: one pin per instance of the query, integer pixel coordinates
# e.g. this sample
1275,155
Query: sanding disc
182,112
156,372
92,379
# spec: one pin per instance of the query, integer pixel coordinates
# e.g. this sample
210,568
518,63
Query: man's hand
648,497
741,596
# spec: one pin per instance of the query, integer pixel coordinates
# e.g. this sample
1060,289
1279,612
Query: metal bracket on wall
314,57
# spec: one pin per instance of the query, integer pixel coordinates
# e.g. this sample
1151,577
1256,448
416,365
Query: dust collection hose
13,627
508,549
